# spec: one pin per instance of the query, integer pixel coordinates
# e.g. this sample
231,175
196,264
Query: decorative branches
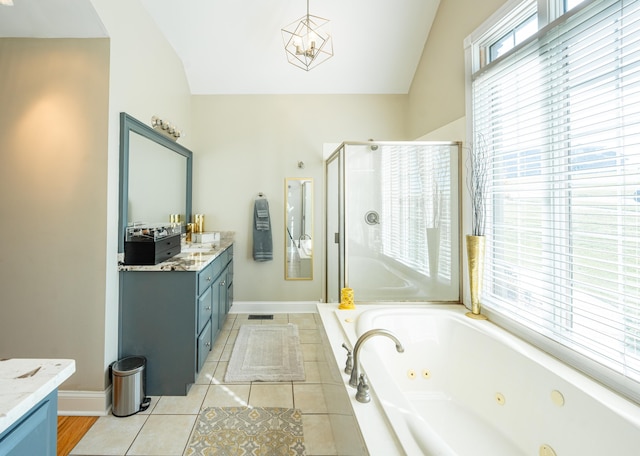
477,169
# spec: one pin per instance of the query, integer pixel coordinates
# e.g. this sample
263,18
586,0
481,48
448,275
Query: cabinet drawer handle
222,283
208,344
208,308
208,278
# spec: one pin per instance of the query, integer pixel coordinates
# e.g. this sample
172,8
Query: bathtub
466,387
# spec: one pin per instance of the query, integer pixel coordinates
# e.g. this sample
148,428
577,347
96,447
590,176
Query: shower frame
342,235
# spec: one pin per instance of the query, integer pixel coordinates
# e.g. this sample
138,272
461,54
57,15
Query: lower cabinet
172,318
35,433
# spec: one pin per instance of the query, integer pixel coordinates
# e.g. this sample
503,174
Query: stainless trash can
128,383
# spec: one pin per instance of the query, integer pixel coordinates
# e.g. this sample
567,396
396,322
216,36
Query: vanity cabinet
29,404
35,433
172,318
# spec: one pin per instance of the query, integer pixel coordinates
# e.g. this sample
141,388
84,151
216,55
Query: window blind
560,115
416,196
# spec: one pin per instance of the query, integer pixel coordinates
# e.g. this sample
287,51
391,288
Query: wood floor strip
71,429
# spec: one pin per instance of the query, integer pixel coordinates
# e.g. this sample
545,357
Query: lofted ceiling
235,46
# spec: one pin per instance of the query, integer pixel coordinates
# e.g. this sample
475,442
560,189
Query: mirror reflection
299,228
157,181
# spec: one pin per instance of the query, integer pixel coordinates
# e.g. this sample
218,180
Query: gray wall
437,94
244,145
53,175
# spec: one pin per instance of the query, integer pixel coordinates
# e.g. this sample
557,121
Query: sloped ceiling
236,47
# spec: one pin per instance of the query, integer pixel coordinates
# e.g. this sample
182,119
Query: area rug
268,353
247,431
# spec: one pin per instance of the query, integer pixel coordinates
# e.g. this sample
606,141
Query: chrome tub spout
355,373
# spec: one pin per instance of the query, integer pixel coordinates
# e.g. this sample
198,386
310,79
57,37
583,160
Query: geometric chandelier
307,41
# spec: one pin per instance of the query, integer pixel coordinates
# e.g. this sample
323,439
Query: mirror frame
130,124
286,234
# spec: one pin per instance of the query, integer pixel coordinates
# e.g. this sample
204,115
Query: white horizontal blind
416,197
561,119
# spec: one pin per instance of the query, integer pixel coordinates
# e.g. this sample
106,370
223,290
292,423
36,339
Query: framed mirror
155,177
298,202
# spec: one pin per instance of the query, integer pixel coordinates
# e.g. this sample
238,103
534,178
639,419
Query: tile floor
164,428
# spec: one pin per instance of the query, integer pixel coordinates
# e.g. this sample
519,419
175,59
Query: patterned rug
268,353
247,431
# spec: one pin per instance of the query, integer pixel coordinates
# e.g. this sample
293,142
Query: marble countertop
25,382
193,257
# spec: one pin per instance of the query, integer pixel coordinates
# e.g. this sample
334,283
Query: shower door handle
336,238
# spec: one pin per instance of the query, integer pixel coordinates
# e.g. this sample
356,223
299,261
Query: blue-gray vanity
29,404
172,312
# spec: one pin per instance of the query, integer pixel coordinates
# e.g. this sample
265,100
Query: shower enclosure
392,221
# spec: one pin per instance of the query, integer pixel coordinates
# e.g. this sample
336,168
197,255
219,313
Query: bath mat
247,431
268,353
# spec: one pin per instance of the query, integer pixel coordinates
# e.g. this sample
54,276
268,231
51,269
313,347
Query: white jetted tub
466,387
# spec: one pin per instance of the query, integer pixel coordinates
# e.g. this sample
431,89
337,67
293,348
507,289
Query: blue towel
262,242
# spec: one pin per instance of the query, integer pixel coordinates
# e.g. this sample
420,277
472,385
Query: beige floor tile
218,375
119,434
311,372
163,435
227,396
319,372
337,399
226,353
233,335
318,438
239,322
182,405
216,353
309,336
271,395
152,405
275,321
110,436
345,427
303,321
228,324
222,337
206,373
312,352
309,398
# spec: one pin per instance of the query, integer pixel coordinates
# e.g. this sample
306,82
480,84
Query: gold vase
475,257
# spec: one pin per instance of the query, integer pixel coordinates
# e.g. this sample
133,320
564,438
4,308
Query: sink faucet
355,373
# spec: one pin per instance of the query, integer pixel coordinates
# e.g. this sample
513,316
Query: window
560,114
514,37
415,185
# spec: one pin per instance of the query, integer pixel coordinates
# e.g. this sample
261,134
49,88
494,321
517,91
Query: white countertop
25,382
193,257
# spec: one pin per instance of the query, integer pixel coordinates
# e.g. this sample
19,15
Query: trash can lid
127,366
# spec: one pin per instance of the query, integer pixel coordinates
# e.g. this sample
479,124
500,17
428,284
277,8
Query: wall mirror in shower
155,176
298,202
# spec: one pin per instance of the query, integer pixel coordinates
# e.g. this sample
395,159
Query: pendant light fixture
307,41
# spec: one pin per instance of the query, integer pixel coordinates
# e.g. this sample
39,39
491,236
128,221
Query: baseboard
84,403
273,307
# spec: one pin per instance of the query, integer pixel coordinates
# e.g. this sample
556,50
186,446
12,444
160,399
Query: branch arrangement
477,169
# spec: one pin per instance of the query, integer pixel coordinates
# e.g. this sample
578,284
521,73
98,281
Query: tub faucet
302,238
355,372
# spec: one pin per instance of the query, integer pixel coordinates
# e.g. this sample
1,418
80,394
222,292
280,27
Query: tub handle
363,390
349,366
